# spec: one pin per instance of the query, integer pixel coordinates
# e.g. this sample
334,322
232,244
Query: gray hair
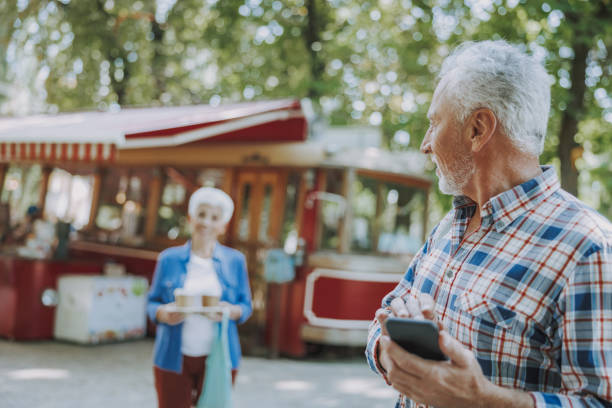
213,197
498,76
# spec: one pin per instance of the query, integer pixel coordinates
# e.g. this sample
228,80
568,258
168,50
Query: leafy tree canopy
371,62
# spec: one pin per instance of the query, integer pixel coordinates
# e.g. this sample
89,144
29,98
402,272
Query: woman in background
205,267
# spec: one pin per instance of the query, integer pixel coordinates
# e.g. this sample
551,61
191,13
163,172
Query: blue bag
217,389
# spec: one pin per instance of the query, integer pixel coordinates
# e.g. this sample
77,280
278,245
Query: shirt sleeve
154,298
586,330
401,289
244,291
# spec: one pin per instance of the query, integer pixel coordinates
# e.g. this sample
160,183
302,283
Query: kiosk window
21,189
172,213
123,196
387,217
289,228
69,198
331,211
243,222
264,223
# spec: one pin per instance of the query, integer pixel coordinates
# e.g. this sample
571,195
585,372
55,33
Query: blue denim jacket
170,273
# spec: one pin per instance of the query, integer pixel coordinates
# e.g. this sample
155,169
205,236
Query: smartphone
418,337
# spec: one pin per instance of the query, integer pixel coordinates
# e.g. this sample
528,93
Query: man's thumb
381,316
454,350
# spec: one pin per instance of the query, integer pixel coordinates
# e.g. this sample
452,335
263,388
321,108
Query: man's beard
458,177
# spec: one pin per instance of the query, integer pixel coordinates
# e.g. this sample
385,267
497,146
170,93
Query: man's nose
425,145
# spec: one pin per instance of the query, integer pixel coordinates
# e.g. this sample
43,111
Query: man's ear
481,126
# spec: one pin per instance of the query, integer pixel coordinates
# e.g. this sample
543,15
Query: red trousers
182,390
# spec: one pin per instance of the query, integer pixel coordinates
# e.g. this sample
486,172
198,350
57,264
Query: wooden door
259,199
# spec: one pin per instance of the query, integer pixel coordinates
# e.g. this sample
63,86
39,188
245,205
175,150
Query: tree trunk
313,35
568,148
115,50
158,60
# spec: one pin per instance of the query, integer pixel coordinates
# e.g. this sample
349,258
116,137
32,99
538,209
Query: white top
199,331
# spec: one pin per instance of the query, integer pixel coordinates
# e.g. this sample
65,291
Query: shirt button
449,274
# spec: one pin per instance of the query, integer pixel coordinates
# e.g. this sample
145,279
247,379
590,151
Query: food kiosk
348,218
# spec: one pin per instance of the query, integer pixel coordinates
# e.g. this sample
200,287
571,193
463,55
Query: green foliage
361,61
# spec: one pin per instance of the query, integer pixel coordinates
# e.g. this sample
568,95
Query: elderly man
518,275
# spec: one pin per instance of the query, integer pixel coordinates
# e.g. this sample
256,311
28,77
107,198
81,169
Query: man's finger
381,316
454,350
414,309
399,308
427,305
383,356
408,385
408,362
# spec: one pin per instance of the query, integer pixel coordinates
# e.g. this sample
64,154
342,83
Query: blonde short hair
213,197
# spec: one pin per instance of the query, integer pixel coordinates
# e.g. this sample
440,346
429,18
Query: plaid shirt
529,292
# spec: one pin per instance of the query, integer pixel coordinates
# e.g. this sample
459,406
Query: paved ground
61,375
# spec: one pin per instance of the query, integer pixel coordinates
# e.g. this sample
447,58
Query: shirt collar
502,209
186,252
462,201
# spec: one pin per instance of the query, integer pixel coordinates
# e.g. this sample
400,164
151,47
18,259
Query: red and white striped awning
99,136
88,152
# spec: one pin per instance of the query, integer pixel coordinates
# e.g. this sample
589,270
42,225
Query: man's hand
165,314
421,306
458,382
